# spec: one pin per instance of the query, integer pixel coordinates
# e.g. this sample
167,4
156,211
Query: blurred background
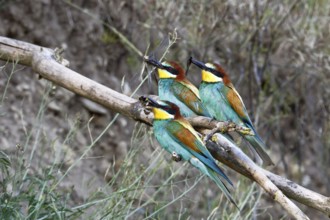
276,53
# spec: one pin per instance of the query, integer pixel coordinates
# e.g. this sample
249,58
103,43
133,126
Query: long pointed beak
153,62
149,102
188,65
197,63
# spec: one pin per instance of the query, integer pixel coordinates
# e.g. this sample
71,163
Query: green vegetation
277,55
32,188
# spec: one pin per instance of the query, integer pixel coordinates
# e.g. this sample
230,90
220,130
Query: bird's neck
163,87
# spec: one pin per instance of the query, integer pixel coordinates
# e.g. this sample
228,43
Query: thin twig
42,60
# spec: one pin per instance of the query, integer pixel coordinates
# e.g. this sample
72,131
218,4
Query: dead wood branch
48,64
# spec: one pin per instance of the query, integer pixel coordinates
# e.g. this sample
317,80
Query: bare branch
45,62
289,188
260,177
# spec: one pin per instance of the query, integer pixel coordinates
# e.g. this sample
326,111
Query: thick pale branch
289,188
301,194
43,61
260,177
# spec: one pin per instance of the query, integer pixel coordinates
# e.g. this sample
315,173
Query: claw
176,157
214,138
245,131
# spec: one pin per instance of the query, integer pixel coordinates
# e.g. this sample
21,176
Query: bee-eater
173,86
223,102
175,134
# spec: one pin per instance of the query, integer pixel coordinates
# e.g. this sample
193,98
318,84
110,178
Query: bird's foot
176,157
227,126
210,135
214,138
231,126
244,130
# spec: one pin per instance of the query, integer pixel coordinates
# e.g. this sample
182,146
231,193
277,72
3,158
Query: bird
176,135
175,87
223,103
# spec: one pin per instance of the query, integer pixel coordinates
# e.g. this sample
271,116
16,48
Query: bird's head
166,69
163,110
211,72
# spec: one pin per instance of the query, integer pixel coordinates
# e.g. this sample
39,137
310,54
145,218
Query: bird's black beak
153,62
148,102
197,63
188,65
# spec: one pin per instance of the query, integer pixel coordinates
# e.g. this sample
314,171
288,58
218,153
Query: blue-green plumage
174,127
214,99
164,133
224,103
215,102
175,134
174,87
167,90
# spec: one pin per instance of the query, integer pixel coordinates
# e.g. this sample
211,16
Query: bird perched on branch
223,102
175,134
173,86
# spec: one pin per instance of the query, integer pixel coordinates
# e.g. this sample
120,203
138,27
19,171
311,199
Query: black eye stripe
215,72
168,109
171,70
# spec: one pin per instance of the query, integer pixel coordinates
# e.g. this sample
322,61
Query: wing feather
189,95
236,102
185,134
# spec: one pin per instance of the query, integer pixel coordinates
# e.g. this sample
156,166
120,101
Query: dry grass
277,54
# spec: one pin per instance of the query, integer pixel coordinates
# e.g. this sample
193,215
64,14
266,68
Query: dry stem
46,62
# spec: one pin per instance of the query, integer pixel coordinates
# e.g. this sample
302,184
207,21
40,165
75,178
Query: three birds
216,98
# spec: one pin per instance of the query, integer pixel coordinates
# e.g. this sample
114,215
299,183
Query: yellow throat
164,74
210,77
161,114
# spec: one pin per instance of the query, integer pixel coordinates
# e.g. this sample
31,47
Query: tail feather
212,174
219,171
259,147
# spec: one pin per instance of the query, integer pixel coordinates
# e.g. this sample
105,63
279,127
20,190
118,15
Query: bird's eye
214,71
171,70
